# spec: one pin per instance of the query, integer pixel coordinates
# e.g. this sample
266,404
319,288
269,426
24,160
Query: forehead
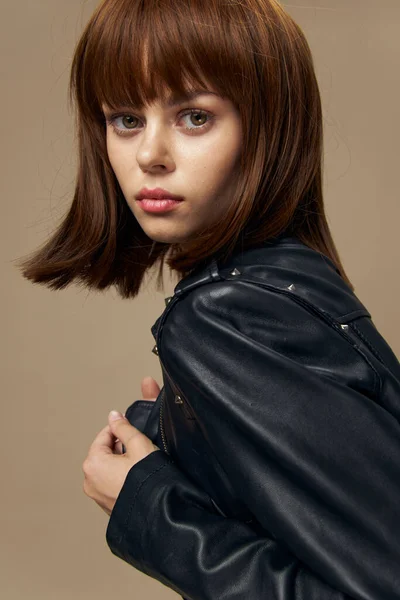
175,99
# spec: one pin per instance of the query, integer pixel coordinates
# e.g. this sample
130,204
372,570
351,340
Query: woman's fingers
150,391
150,388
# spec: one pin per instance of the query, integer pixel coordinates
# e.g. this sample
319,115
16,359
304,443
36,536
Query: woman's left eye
200,119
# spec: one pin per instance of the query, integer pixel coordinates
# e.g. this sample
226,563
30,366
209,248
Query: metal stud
155,350
235,272
178,400
168,300
292,287
344,326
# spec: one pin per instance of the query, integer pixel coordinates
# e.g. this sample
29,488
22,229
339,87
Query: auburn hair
133,52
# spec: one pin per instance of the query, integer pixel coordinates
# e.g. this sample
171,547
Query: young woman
269,466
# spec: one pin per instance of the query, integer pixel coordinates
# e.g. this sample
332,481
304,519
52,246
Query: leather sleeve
166,527
315,460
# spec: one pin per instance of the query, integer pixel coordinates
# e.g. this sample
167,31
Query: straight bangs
135,52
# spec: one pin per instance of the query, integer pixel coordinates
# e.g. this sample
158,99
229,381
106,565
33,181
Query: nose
154,152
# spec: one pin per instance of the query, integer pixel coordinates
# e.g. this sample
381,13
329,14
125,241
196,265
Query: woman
269,465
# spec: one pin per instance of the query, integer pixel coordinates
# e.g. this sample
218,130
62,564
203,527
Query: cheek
111,155
220,165
117,158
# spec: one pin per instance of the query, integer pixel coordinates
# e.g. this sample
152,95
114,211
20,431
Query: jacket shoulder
285,267
215,316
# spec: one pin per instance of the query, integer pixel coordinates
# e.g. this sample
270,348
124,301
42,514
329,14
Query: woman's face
190,149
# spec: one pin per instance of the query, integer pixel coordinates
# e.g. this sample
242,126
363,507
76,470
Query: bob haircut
133,52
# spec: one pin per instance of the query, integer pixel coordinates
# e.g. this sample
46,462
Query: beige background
68,358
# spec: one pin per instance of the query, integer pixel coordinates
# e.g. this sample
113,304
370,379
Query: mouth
157,194
158,206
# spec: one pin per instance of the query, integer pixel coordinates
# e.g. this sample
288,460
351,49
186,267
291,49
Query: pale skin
191,149
195,156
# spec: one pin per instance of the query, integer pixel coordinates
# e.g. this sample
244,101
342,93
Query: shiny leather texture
278,475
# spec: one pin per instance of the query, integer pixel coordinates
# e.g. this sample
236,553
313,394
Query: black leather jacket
278,475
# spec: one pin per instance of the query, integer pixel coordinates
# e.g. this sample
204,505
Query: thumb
125,432
150,388
120,426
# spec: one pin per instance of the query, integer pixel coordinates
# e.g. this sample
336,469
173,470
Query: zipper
164,441
183,406
157,336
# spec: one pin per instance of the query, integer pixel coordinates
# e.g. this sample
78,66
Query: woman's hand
150,391
105,469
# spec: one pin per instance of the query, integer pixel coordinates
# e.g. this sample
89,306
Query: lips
157,194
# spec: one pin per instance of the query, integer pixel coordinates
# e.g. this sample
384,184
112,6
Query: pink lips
157,194
157,200
158,206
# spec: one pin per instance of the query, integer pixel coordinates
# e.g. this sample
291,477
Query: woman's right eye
127,121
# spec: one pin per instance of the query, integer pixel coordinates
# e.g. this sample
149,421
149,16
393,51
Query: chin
166,239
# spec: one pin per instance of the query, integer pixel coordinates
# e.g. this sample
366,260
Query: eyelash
127,132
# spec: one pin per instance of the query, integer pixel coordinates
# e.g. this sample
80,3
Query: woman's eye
195,120
198,118
128,121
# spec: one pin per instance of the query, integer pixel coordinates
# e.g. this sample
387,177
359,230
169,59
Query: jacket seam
368,343
354,313
323,315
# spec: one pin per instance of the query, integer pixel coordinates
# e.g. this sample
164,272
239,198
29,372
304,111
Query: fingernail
114,415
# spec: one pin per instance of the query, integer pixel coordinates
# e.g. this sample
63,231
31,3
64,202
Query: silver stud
168,300
344,326
155,350
292,287
178,400
235,272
